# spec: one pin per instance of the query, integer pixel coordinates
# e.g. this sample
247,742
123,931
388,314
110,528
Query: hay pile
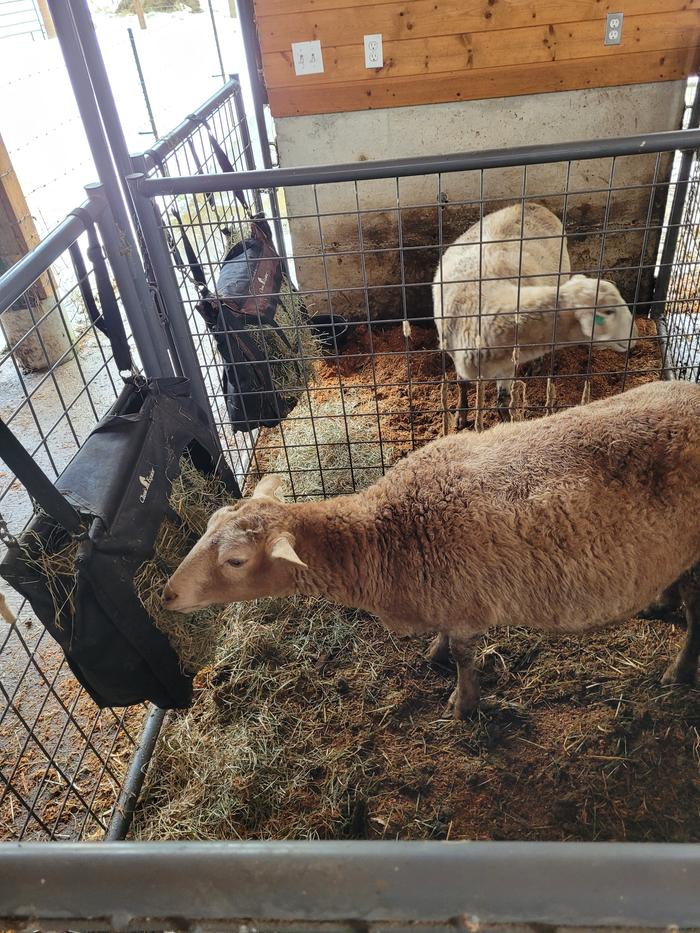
52,556
314,722
193,497
330,444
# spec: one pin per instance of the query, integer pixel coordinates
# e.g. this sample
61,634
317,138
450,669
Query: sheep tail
551,395
517,400
586,394
479,421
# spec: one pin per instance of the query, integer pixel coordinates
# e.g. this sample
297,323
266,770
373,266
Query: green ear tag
600,319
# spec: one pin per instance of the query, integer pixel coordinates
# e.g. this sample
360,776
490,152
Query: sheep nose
169,596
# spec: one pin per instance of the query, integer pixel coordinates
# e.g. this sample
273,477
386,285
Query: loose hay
327,446
314,722
53,558
193,497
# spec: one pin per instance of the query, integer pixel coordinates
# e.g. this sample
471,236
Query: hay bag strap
117,487
109,320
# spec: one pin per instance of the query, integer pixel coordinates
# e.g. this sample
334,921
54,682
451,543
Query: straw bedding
312,721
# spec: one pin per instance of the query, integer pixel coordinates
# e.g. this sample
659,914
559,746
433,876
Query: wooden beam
140,12
46,19
418,19
470,52
507,81
18,233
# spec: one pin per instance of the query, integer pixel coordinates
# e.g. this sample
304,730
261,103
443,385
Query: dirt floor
315,722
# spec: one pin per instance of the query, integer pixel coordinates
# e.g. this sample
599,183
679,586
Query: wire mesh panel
682,305
434,296
543,302
205,227
63,760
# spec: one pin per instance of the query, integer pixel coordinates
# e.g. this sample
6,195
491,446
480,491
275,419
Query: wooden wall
448,50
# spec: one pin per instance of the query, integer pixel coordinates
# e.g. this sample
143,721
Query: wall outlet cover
308,57
374,52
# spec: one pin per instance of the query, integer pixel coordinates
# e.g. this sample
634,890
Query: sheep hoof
461,421
461,707
679,674
439,653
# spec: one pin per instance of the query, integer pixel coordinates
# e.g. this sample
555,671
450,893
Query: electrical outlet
308,57
374,54
613,28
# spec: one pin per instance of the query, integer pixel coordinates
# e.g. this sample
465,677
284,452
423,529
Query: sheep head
601,312
246,552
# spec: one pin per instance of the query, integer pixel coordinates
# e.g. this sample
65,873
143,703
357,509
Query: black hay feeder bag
258,321
110,503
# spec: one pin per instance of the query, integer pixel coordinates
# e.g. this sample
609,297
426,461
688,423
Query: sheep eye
235,562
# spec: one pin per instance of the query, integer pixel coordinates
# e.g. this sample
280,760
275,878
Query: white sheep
515,291
560,524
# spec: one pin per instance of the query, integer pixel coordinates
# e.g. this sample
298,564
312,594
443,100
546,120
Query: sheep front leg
462,405
439,651
684,669
465,696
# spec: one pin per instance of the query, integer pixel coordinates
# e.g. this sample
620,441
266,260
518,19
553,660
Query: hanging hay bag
81,586
261,330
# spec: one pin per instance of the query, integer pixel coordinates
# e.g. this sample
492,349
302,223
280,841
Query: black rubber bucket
330,330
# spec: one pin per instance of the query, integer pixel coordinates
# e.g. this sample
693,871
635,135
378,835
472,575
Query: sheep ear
584,316
281,549
268,486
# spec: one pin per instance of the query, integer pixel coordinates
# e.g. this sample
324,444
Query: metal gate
367,241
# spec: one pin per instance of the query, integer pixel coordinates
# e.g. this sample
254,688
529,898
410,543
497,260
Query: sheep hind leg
669,608
503,389
465,696
684,668
439,652
461,421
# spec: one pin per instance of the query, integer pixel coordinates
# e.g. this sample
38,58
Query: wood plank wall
448,50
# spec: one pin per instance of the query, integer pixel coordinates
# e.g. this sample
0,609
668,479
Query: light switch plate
613,28
308,57
374,53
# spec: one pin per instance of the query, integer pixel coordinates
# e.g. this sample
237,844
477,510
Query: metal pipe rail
23,274
425,165
460,885
168,143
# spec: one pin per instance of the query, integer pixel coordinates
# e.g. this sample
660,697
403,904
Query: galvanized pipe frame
260,885
516,156
108,155
158,153
24,273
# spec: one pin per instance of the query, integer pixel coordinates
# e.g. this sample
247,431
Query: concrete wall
359,262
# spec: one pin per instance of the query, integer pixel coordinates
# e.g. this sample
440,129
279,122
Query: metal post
124,810
140,313
142,81
156,246
124,256
250,44
249,157
675,217
222,72
97,75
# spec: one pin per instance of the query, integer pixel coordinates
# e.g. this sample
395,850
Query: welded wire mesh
376,270
683,300
62,760
212,223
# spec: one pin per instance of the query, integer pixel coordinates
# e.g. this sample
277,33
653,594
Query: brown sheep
563,524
